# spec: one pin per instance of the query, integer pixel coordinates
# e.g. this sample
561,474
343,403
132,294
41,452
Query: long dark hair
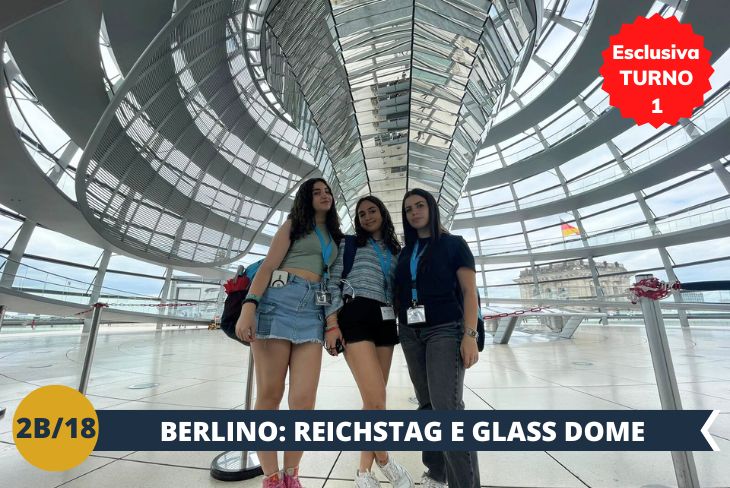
387,228
302,213
434,219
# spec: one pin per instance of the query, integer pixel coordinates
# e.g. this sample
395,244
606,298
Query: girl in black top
435,275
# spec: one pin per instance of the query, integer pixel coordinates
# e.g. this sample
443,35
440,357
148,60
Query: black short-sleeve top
436,282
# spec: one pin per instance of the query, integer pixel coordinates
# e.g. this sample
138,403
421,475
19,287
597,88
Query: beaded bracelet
331,329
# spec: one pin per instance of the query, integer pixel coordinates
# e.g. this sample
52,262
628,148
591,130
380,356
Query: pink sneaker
291,478
275,481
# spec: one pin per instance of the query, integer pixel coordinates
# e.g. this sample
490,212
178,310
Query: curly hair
302,213
387,228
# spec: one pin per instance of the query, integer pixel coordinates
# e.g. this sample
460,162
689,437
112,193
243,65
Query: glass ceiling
188,164
405,79
401,91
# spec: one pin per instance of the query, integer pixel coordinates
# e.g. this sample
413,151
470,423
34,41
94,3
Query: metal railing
715,111
697,218
46,284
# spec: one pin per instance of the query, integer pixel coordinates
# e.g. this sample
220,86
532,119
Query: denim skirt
289,313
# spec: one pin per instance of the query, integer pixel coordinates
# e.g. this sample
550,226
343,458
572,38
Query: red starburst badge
656,70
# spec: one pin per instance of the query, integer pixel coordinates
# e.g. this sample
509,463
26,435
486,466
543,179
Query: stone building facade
572,279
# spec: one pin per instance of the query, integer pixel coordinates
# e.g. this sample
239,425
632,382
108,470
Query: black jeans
433,354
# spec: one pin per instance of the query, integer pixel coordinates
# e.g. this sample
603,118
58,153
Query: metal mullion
515,200
468,78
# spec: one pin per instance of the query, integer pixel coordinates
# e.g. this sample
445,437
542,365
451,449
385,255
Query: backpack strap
348,259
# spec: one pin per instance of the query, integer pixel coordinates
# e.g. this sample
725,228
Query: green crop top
306,253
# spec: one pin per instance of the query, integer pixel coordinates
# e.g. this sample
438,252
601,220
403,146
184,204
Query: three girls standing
430,285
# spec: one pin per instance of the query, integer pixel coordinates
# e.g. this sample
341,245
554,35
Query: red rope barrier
515,313
155,305
96,305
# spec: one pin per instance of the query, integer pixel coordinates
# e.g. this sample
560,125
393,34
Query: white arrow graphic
706,430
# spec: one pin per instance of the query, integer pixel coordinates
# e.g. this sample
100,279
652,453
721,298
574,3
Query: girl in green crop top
284,324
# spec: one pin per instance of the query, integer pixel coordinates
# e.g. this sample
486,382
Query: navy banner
406,430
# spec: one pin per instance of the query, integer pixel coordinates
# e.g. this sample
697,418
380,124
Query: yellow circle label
55,428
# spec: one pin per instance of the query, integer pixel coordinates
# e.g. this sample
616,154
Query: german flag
568,230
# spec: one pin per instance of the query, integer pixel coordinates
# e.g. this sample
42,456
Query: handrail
598,109
49,273
52,307
607,304
604,236
719,101
77,291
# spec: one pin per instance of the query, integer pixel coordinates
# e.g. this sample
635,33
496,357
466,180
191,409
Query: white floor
600,368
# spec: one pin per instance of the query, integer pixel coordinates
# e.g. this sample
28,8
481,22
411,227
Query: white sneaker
396,474
366,480
428,482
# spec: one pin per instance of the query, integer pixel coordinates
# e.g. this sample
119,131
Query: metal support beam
238,465
720,170
16,254
90,346
504,329
164,294
480,250
536,292
545,65
684,465
669,268
651,222
569,24
63,161
598,287
98,283
626,170
722,174
16,12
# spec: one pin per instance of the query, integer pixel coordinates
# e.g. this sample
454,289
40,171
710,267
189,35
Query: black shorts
361,320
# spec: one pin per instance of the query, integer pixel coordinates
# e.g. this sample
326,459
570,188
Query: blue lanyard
384,266
326,251
415,257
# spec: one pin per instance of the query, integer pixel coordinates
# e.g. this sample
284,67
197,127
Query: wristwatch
468,331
